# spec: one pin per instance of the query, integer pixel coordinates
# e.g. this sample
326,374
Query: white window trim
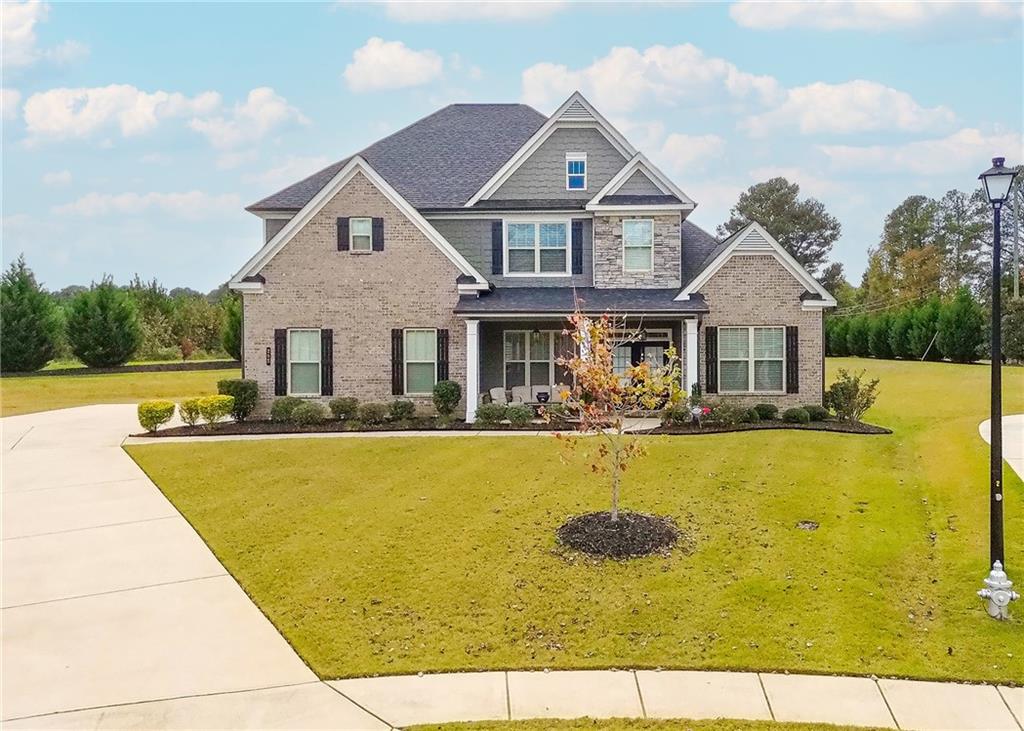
552,366
625,269
576,157
406,361
537,221
352,234
318,361
750,358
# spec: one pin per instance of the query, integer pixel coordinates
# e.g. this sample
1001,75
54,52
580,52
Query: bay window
537,248
751,359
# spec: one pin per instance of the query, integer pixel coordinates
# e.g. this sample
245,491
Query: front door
632,354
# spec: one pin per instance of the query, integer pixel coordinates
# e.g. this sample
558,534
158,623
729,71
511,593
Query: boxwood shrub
307,413
188,410
244,391
344,407
215,408
767,411
796,416
282,408
154,414
519,414
373,414
447,395
490,414
816,412
402,410
752,417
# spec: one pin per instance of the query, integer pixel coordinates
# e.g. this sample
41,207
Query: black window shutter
327,362
280,362
792,359
442,355
397,386
711,359
577,247
377,228
342,234
497,253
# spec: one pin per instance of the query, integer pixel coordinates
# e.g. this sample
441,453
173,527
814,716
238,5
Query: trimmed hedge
344,407
282,408
215,408
308,412
490,414
154,414
245,392
796,416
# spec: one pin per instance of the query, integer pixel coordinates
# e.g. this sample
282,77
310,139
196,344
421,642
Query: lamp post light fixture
998,591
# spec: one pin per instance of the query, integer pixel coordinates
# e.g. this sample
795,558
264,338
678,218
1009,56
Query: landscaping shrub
373,414
857,337
796,416
519,414
281,409
676,415
344,407
29,320
767,412
402,410
924,324
878,336
816,412
231,330
1013,330
490,414
215,408
899,334
556,412
188,410
307,413
961,328
447,395
850,396
154,414
103,326
244,391
725,413
752,417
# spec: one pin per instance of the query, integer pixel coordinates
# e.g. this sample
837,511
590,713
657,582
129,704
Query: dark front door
632,354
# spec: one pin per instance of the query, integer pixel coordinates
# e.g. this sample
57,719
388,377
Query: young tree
601,398
803,227
878,335
103,326
231,335
29,321
961,328
924,326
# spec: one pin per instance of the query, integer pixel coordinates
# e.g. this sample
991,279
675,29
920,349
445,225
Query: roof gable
639,163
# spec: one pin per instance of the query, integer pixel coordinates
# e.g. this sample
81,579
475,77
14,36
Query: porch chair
499,395
521,394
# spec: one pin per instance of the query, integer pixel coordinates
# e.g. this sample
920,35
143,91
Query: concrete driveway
1013,440
110,598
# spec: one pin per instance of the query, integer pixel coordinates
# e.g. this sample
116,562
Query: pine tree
231,337
878,335
857,336
899,333
103,326
961,328
1013,329
29,321
924,325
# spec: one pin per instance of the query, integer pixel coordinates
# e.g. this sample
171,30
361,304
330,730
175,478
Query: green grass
427,554
24,395
630,724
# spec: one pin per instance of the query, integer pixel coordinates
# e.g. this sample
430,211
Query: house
455,248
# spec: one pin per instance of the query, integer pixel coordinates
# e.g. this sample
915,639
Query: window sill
360,253
538,274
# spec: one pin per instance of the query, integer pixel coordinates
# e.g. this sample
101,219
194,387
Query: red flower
706,410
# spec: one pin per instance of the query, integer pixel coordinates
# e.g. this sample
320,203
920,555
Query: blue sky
134,134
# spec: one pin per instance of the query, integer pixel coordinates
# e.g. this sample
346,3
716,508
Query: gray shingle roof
436,162
698,247
561,300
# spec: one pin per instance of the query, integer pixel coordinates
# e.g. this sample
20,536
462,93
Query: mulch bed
633,535
844,427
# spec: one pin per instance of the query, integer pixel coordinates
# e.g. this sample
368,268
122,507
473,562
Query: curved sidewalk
116,615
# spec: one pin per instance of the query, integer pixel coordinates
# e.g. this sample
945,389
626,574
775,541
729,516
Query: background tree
924,326
29,321
907,261
156,311
103,326
961,328
962,225
197,323
878,335
1013,330
803,227
231,334
857,336
899,333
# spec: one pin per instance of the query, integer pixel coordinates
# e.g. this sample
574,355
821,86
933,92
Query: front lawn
401,555
28,394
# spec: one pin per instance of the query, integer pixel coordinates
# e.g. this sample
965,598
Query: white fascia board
474,288
273,214
245,286
781,255
356,165
546,130
638,209
640,162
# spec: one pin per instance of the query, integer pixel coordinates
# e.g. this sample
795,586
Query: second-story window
638,245
537,248
575,171
361,234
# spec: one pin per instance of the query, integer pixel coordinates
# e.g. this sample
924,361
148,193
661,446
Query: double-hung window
575,171
420,361
360,234
638,245
537,248
751,359
304,362
531,358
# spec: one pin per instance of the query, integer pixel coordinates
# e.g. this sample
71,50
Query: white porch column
691,354
472,369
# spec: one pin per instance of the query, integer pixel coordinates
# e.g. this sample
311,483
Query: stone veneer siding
757,290
362,296
608,253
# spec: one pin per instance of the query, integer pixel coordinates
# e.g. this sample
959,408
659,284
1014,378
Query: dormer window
575,171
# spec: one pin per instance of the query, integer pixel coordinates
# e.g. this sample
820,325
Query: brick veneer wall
362,296
757,290
608,264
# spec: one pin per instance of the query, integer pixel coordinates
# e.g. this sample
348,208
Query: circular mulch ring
631,536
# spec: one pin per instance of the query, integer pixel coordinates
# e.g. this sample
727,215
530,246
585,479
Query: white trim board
556,121
752,241
355,165
639,162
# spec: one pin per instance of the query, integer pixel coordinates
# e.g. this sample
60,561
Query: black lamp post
998,591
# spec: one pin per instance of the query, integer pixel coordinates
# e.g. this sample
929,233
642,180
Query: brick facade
608,255
758,290
362,296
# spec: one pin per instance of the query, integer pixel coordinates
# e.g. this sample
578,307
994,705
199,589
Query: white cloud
870,16
60,177
853,106
684,153
293,168
968,150
18,37
384,64
192,204
262,112
79,112
446,12
626,79
9,99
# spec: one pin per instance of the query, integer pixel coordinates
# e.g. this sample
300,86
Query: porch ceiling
561,300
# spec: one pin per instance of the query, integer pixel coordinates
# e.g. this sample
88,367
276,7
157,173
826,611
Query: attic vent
754,241
576,112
